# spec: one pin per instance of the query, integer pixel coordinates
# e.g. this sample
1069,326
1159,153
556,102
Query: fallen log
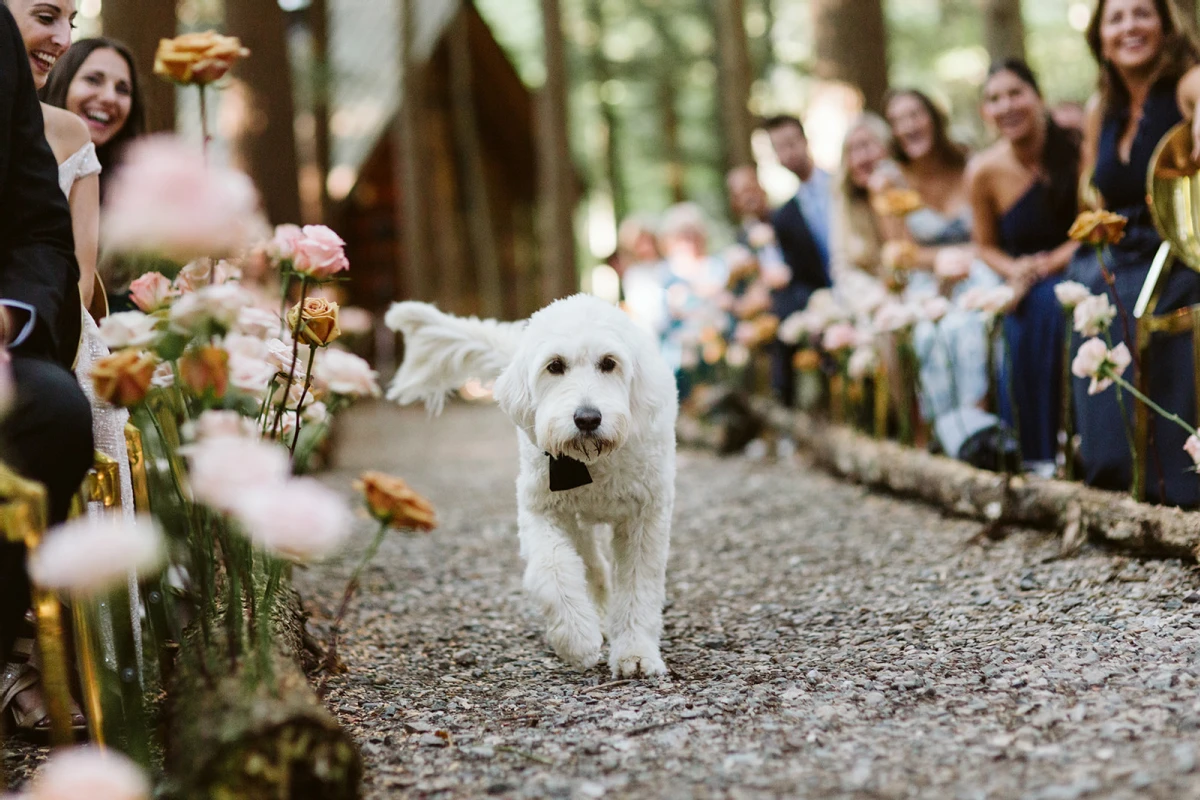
274,740
1078,513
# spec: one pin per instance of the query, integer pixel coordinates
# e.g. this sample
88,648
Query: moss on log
1077,512
229,740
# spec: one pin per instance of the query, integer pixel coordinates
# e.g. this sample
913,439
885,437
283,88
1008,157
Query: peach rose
1070,294
1094,360
123,378
390,500
206,370
896,202
197,58
342,373
318,321
1098,227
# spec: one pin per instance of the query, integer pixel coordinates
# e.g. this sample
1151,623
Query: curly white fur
577,359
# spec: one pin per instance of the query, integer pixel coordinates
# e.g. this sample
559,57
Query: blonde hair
878,128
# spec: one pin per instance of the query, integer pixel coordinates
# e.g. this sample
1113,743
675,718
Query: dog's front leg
555,577
640,549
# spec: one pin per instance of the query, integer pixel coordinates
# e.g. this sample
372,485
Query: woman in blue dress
1023,195
1149,82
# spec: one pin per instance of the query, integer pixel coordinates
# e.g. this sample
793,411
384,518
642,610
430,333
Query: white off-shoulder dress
108,421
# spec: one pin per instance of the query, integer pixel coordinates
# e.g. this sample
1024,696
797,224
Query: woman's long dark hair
54,93
943,148
1060,151
1179,54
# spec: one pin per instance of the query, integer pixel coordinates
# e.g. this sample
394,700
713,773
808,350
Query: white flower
91,773
88,556
893,316
760,235
863,362
300,520
164,376
990,302
202,272
841,336
279,354
1192,447
226,468
1071,294
1093,315
250,375
127,329
216,423
316,413
934,308
1094,360
220,305
792,329
953,264
340,372
258,322
242,344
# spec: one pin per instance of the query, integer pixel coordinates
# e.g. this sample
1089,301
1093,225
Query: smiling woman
46,28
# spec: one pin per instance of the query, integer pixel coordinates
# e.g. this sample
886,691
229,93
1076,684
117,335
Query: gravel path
822,642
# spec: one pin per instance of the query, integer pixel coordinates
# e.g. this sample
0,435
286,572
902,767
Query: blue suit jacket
802,255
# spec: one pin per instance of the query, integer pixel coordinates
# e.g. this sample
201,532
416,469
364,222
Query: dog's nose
587,419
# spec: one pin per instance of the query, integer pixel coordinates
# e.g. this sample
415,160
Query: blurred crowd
922,258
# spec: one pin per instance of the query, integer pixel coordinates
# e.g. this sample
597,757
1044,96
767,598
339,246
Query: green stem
265,629
1068,420
1162,412
1008,381
312,355
1127,426
331,657
295,357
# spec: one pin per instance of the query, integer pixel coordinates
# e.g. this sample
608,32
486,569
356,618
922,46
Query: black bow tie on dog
567,473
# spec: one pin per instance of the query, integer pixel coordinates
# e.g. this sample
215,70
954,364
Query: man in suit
802,230
47,433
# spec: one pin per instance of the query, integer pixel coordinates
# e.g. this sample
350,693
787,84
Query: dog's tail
442,352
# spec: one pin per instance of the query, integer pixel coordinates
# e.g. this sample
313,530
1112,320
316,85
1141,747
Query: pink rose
894,316
300,520
202,272
339,372
89,772
934,308
225,469
1070,294
1094,360
215,423
863,362
282,246
258,322
953,264
91,556
127,329
250,374
320,253
165,200
841,336
151,292
1093,315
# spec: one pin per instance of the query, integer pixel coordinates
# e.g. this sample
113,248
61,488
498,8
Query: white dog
595,405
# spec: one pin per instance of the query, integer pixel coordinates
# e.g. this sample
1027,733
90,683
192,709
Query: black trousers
47,437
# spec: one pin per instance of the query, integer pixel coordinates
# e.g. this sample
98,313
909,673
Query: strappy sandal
20,675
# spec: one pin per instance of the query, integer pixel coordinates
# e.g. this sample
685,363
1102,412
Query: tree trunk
1004,29
141,24
266,143
472,172
602,72
555,173
1187,11
851,46
318,21
735,81
672,154
410,172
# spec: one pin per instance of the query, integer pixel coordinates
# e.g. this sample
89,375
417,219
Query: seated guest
953,354
1023,195
802,230
47,434
1148,83
643,276
857,241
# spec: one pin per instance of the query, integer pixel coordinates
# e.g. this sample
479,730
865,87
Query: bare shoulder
65,132
986,164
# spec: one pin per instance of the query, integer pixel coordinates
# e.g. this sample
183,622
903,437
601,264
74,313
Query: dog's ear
515,397
650,388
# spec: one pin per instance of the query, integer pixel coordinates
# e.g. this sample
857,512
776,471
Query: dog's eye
556,367
607,364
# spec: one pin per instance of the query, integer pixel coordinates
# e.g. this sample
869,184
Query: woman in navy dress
1149,82
1023,197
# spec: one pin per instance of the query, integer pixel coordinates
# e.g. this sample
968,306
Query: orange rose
898,255
896,202
123,378
206,370
320,321
197,58
391,500
1098,227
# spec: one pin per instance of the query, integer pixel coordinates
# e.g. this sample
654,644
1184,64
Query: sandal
21,675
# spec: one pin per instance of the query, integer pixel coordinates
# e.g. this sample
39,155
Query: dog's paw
577,644
636,660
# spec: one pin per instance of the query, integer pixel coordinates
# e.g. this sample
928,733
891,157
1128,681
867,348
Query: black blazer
37,248
801,254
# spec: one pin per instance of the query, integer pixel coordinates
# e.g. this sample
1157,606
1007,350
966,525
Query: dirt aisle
823,642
